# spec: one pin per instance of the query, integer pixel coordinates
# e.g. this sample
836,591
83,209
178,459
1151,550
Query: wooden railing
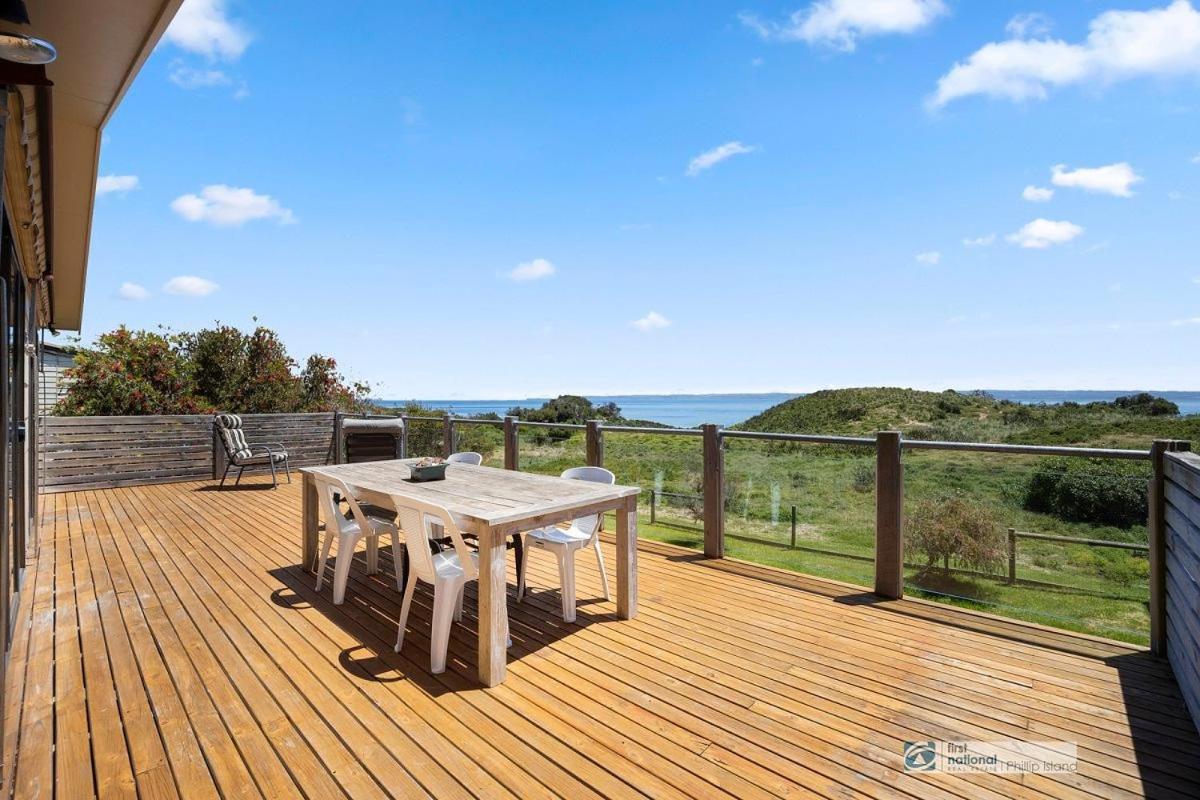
101,452
106,452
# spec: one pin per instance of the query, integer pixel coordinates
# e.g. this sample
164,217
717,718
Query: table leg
493,608
627,592
311,522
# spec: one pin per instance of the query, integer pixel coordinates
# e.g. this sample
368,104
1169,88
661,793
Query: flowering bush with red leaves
219,368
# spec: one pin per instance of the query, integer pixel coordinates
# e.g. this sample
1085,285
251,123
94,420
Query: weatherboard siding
1183,574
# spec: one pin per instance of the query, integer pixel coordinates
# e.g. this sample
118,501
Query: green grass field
830,492
1099,591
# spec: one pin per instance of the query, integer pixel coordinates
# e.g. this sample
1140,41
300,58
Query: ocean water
689,410
679,410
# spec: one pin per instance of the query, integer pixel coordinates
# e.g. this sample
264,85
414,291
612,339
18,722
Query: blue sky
510,200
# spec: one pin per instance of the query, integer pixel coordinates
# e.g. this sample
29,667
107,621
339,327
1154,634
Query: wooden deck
176,648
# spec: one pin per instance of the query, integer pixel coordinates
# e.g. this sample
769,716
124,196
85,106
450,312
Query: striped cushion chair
241,455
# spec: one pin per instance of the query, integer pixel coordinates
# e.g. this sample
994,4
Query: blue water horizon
690,410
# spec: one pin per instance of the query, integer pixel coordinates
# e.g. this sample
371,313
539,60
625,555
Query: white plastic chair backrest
590,524
330,488
474,459
416,519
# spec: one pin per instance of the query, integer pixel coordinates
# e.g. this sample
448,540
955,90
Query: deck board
175,647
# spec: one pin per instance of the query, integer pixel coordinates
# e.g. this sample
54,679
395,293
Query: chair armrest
270,447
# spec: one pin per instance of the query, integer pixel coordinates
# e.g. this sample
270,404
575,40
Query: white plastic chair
475,460
447,571
349,531
564,544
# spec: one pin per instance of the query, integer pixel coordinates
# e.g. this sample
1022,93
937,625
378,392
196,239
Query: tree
218,357
566,409
131,372
269,383
952,527
324,389
1147,404
217,368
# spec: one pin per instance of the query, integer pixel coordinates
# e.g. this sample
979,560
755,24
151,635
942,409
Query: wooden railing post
1012,555
714,493
447,435
1156,533
404,436
595,444
339,439
889,515
1156,529
511,443
218,454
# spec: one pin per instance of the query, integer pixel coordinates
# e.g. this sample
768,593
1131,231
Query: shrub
1100,491
862,477
952,527
1147,404
131,372
219,368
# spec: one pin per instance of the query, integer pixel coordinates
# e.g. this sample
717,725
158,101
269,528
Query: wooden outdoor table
493,504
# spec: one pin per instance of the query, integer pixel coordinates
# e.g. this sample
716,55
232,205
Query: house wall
1182,517
52,384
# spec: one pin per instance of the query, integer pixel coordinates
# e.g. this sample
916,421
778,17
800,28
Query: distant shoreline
688,410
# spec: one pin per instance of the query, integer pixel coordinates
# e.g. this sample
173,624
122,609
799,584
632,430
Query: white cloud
1114,179
715,156
533,270
190,286
229,205
652,321
133,291
202,27
191,78
980,241
1189,321
1196,158
930,257
1029,24
1120,45
108,184
1037,194
841,23
1041,233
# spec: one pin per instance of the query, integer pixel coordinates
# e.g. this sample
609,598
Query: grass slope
955,416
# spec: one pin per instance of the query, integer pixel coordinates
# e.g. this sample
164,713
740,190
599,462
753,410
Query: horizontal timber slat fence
106,452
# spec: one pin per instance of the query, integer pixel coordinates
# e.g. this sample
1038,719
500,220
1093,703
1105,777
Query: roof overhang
101,46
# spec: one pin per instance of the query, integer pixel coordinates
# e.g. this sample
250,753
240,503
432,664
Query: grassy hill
955,416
